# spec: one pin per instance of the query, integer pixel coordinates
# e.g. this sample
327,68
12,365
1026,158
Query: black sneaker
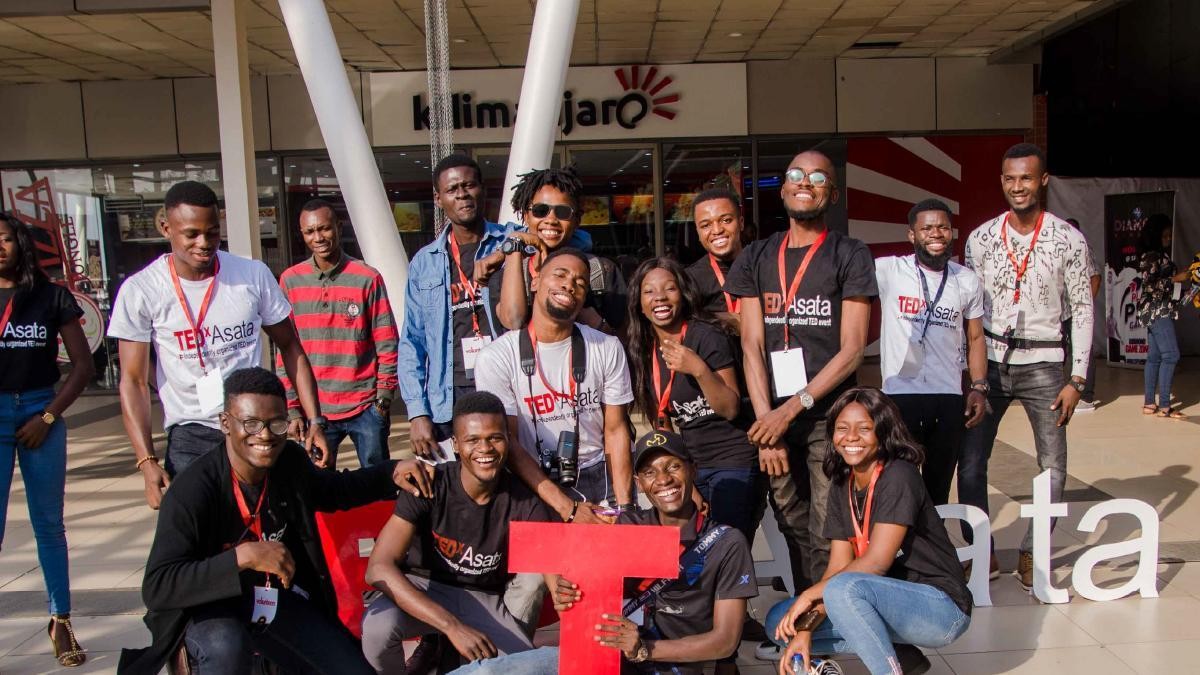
753,631
912,660
426,657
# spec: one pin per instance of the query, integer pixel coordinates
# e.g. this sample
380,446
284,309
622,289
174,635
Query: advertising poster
1124,217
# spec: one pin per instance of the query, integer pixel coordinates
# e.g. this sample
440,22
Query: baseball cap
657,442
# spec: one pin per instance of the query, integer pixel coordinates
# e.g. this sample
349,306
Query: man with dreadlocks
548,201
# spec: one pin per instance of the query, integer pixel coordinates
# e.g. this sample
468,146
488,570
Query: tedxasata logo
643,93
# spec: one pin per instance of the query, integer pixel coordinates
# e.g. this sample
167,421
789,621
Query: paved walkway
1115,451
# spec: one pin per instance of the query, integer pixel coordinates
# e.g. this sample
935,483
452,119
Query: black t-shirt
712,296
463,307
460,542
274,528
714,441
29,343
926,556
842,268
681,610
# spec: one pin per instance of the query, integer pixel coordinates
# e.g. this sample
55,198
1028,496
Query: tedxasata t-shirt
460,542
29,343
712,296
938,370
841,268
606,382
247,298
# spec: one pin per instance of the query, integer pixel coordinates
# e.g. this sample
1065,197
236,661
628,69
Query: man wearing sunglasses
235,567
805,305
549,203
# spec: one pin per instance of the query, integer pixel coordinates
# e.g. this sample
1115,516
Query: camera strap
527,347
691,563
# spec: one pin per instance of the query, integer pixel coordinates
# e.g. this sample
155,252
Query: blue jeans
188,442
220,639
867,613
368,430
1161,360
541,661
44,469
1035,386
737,497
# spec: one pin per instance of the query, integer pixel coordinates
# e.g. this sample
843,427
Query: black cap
655,442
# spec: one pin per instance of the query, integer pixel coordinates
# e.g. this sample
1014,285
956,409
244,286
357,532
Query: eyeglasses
817,177
561,211
254,426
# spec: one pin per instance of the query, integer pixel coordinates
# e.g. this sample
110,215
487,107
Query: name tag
1010,318
211,391
266,602
471,346
787,372
914,359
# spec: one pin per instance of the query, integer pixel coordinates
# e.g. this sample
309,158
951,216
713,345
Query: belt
1014,342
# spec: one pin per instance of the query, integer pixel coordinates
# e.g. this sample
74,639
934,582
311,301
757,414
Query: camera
563,460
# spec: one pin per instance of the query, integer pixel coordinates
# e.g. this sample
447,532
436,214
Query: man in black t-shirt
804,329
719,224
441,562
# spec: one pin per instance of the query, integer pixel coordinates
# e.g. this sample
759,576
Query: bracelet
143,460
574,510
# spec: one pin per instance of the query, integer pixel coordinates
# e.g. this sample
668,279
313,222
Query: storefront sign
1124,217
92,323
599,103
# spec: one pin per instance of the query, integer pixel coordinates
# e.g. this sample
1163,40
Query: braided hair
564,179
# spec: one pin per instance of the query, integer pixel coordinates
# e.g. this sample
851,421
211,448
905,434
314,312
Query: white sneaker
768,651
1085,406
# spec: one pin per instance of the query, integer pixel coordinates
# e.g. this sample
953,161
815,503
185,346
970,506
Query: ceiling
389,34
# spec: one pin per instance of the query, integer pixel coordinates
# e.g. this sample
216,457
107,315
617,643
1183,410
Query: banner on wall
1124,217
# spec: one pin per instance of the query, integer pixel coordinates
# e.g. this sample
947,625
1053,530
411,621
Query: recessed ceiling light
459,40
735,34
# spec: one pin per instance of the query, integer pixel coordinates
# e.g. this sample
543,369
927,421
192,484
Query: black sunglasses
561,211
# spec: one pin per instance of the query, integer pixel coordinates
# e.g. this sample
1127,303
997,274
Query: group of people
519,359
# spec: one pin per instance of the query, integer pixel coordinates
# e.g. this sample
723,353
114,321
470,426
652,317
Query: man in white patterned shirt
1035,271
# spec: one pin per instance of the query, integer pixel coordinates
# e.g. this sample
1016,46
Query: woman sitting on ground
893,575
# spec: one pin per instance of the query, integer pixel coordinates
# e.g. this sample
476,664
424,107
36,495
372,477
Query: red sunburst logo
631,79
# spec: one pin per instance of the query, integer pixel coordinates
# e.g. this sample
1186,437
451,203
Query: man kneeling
236,566
441,562
688,621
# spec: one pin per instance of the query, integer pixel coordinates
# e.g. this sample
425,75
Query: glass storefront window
689,169
619,204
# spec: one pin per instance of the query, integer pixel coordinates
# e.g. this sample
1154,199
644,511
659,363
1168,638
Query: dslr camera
562,463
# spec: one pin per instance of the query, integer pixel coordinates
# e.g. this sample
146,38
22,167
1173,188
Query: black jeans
185,444
936,422
220,639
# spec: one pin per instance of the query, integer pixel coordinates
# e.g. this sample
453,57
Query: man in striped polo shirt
345,323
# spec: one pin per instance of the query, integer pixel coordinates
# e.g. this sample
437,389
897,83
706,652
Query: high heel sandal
74,655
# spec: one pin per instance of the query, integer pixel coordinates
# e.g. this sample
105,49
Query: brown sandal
1171,414
1149,409
73,655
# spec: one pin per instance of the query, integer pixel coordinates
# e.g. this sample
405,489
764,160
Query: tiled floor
1115,450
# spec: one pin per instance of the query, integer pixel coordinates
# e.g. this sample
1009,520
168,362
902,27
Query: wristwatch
642,653
514,244
48,417
981,386
806,399
319,420
1077,385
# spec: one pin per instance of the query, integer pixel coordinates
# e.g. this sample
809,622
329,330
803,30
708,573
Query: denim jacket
426,349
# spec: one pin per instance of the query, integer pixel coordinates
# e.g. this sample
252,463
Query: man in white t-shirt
547,403
931,306
201,309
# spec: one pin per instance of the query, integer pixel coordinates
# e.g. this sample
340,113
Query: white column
236,125
541,93
346,139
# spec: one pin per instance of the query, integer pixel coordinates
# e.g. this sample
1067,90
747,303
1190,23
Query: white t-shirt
246,298
935,367
498,370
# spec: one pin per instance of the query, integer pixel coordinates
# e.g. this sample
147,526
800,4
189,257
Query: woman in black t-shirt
685,376
33,314
893,574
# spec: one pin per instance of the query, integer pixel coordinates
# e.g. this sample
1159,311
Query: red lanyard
253,521
7,315
734,305
789,293
1020,268
469,289
663,395
196,324
533,271
862,534
538,364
